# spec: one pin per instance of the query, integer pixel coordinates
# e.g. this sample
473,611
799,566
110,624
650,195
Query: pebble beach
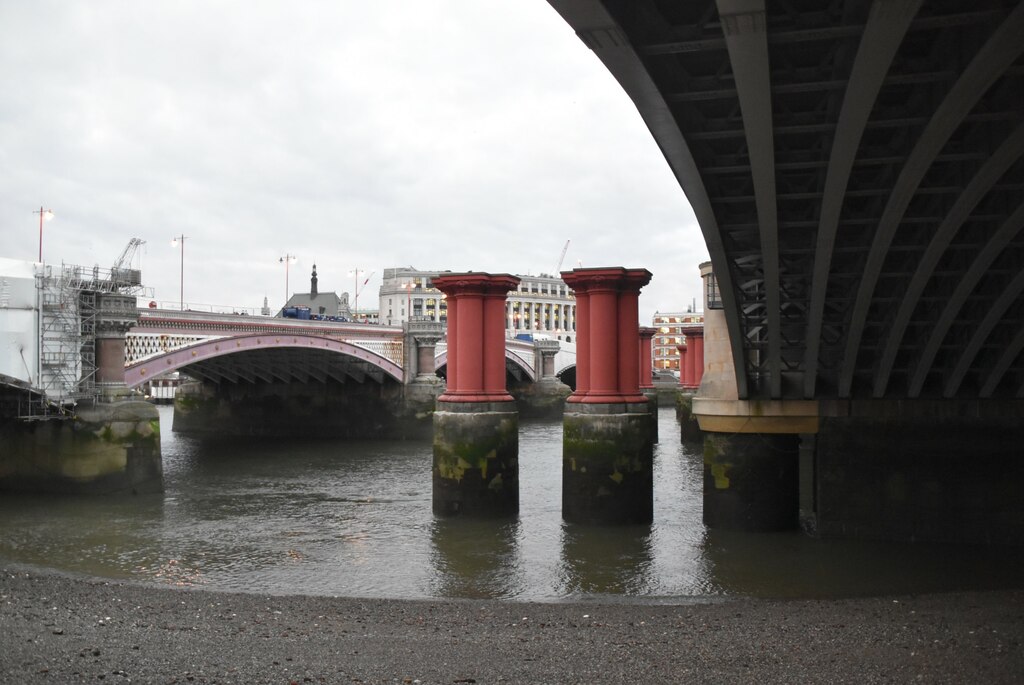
58,628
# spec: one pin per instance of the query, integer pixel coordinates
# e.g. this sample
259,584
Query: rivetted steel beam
979,186
809,86
981,333
802,129
598,31
821,33
1002,48
745,27
1005,359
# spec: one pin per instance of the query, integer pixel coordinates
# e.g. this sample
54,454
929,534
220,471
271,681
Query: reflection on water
354,518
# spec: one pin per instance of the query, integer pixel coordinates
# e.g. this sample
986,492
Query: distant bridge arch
274,357
515,363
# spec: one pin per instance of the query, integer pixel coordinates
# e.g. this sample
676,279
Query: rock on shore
61,629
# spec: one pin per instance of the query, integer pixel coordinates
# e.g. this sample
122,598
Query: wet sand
61,629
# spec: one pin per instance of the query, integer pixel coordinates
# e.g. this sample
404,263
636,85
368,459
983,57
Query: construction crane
360,290
122,275
561,258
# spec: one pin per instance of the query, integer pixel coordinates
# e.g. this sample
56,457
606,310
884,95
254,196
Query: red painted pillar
683,354
603,343
582,350
698,356
608,428
646,357
690,355
469,362
476,426
694,357
494,340
607,336
476,335
452,377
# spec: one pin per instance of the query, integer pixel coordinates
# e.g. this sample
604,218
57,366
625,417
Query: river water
354,518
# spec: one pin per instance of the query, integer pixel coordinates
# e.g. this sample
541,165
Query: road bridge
229,348
856,170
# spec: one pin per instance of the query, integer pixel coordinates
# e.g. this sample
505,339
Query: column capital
475,283
604,279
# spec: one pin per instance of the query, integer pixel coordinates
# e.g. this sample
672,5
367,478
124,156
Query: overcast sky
441,134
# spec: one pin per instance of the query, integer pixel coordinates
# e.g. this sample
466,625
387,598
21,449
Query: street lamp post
179,241
44,215
286,260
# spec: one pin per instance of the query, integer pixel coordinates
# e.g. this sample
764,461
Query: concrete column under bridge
608,439
476,424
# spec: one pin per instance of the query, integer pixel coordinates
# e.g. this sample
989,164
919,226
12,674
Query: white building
541,305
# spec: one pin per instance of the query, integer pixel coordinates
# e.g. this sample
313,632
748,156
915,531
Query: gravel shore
60,629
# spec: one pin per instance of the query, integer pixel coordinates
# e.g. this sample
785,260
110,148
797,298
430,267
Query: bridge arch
220,359
514,364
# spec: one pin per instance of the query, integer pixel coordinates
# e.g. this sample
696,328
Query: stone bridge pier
422,384
110,444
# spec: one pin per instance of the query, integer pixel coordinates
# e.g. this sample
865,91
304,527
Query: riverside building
670,335
540,306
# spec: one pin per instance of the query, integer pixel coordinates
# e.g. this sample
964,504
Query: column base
751,481
476,459
608,463
107,448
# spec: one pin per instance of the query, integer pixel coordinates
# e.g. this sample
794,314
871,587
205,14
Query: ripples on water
354,518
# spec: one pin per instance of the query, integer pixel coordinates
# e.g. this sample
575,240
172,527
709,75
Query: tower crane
561,257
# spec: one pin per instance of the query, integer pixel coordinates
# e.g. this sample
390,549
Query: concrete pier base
751,481
689,429
106,448
608,463
476,459
944,478
653,403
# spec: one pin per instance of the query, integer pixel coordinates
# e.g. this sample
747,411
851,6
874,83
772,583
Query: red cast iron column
608,428
683,354
607,337
476,335
646,357
452,377
691,359
476,425
698,357
582,349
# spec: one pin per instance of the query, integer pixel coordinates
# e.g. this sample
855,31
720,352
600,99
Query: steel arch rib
1002,48
999,370
746,38
979,186
598,30
886,26
154,366
988,254
981,333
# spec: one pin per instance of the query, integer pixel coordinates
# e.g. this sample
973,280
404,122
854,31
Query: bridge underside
856,170
284,365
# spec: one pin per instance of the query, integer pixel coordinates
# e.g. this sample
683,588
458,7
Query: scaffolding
69,309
